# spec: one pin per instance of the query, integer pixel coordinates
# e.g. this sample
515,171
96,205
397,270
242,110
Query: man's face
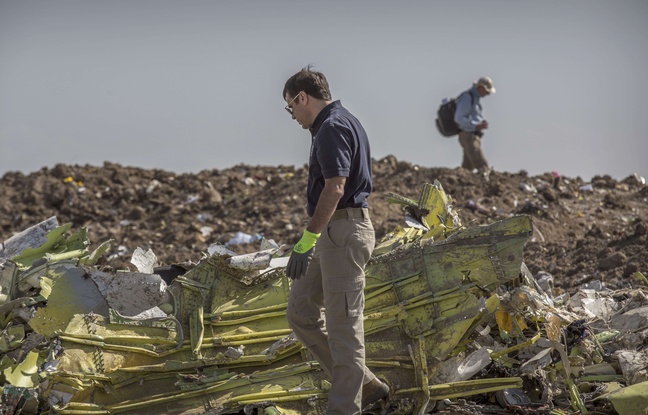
482,91
297,109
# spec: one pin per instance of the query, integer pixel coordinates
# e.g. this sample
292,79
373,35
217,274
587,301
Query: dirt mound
583,232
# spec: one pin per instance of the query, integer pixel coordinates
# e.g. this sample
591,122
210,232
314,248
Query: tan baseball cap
487,83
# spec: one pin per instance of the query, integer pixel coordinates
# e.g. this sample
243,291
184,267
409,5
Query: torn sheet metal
70,293
131,293
25,373
632,400
33,237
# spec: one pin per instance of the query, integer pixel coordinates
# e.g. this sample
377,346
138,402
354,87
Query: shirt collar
323,114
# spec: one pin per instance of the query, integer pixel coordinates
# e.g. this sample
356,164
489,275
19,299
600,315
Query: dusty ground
583,231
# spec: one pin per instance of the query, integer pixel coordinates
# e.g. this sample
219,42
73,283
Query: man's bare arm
328,201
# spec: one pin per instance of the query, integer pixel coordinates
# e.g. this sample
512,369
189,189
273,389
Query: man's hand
482,125
298,264
301,255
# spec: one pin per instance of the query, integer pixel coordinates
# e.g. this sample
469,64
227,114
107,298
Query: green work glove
301,255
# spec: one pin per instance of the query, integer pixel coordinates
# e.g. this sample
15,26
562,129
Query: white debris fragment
154,184
475,362
634,365
234,353
457,368
599,307
241,238
221,250
145,262
281,344
413,223
279,262
120,251
251,262
154,312
540,360
268,244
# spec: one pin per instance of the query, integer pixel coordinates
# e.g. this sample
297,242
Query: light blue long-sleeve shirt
469,110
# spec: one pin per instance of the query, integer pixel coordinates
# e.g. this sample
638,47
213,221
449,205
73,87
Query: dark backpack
445,116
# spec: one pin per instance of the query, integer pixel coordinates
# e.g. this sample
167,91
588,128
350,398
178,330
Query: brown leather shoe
373,391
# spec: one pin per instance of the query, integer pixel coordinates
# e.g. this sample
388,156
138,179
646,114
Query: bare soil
583,231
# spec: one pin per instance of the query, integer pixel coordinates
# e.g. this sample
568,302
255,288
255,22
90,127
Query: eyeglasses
288,107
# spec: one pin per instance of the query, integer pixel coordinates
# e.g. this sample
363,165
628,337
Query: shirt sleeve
334,151
463,115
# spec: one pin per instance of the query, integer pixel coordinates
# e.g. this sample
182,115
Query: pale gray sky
192,85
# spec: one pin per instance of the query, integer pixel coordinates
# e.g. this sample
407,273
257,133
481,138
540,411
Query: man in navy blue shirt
468,117
327,264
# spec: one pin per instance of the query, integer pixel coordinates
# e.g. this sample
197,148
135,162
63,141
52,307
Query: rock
615,260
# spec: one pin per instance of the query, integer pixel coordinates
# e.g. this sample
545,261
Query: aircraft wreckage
453,318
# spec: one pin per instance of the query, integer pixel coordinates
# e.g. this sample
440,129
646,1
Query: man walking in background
327,264
472,124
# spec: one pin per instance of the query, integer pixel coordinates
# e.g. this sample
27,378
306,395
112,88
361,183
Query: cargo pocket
346,299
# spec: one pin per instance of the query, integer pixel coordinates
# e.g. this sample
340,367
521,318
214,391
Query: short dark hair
312,82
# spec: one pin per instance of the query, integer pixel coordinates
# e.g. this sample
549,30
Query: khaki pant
473,156
335,281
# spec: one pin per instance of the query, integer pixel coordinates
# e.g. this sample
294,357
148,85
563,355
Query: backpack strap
472,99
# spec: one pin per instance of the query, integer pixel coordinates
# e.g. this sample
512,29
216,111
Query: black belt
350,213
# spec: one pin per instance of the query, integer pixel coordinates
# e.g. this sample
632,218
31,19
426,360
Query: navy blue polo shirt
340,147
